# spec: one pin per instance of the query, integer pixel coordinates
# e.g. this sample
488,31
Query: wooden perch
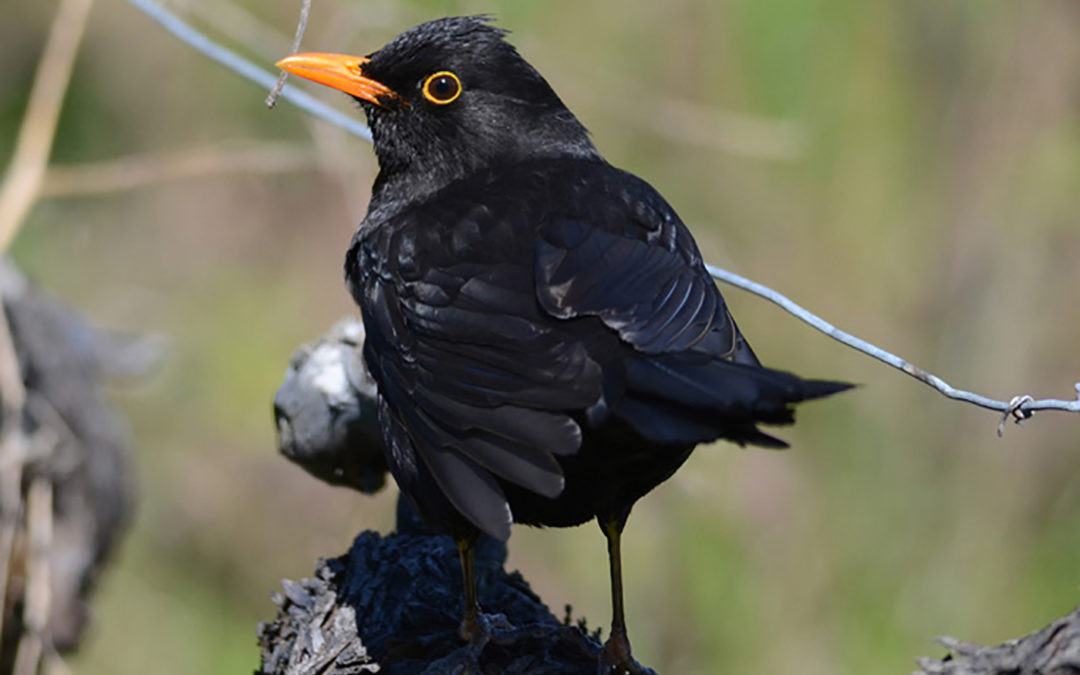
392,605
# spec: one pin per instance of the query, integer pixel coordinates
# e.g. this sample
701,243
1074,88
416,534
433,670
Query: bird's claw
631,667
615,658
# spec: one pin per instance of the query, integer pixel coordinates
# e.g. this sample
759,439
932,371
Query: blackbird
547,343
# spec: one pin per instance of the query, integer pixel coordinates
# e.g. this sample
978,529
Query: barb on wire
305,11
1018,408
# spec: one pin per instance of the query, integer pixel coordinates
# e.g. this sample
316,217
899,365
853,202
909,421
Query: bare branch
247,69
1018,408
305,11
34,143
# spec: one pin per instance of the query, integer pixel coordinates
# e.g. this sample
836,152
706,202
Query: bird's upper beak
340,71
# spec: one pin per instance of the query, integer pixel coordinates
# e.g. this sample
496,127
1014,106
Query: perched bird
547,344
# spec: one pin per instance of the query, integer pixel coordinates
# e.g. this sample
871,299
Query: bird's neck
407,176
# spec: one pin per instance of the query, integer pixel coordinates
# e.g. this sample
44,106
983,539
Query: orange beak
339,71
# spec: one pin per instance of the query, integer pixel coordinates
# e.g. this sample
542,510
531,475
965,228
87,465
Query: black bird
547,343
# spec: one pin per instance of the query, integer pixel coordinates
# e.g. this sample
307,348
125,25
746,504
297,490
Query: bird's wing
474,372
631,262
690,377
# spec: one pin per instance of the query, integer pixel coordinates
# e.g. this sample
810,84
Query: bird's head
447,98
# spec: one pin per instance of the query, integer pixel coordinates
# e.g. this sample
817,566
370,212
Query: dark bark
394,603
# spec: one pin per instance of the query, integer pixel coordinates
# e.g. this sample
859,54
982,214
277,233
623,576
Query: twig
247,69
135,171
1019,408
305,10
10,516
38,128
39,526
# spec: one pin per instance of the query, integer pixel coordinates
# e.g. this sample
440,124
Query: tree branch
1019,408
135,171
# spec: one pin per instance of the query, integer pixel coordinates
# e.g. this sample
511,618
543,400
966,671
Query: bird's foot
615,658
478,629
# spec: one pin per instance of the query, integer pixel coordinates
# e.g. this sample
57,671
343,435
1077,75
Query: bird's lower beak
340,71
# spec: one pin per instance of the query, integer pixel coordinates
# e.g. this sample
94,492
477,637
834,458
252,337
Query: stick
305,10
34,142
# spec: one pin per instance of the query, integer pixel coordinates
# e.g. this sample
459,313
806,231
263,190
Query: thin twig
135,171
1019,408
10,517
34,142
36,600
305,10
247,69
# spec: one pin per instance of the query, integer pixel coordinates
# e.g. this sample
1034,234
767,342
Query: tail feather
684,398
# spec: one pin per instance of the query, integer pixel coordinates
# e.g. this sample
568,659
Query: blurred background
908,169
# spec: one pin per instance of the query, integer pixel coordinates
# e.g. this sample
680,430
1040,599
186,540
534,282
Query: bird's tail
681,398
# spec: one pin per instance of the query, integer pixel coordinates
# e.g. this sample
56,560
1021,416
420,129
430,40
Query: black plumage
547,343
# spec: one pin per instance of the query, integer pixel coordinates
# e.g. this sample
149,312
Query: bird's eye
443,87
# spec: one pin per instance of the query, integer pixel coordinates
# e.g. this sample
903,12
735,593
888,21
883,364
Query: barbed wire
1018,408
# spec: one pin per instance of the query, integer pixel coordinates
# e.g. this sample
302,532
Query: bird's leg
616,655
471,626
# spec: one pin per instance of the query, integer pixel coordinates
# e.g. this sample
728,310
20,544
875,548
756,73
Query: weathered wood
1054,650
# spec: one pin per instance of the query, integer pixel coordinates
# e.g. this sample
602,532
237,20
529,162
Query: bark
393,603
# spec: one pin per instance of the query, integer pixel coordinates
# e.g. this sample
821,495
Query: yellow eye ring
441,88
